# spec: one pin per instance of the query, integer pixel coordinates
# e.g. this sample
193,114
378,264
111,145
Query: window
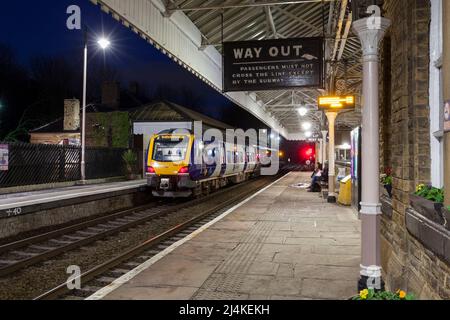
170,149
436,95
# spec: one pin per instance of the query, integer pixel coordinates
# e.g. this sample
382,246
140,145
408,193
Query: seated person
325,175
316,176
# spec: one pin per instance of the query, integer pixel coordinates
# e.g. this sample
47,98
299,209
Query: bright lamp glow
308,134
302,111
306,126
104,43
346,146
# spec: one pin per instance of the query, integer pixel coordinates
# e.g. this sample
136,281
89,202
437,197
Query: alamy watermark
232,146
374,21
74,20
74,280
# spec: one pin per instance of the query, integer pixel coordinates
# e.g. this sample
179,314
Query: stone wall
65,211
405,147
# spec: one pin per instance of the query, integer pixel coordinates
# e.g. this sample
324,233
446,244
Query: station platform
282,243
44,198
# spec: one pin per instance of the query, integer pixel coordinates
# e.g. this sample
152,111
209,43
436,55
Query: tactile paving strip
227,279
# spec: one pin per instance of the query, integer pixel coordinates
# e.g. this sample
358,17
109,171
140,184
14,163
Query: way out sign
4,157
273,64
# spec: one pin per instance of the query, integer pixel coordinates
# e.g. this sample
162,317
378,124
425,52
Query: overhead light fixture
306,126
104,43
308,134
346,146
302,111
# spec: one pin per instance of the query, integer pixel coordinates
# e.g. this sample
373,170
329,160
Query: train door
212,157
230,159
240,159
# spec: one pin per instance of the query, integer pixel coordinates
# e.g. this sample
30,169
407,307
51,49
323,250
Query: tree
15,90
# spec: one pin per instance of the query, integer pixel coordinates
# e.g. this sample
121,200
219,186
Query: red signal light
184,170
309,152
151,170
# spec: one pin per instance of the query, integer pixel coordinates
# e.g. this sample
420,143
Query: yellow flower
402,294
363,294
420,187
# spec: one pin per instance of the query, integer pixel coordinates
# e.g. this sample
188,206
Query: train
173,169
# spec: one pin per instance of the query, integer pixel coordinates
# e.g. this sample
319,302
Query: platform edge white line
60,197
100,294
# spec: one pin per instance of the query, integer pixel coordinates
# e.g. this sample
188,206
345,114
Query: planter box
427,208
446,217
386,206
433,236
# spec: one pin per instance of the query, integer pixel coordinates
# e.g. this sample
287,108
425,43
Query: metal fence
31,164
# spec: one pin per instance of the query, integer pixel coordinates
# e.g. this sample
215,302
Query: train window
170,149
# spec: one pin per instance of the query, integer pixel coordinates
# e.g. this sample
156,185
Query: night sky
34,28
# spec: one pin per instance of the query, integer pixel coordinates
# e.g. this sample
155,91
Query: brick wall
405,146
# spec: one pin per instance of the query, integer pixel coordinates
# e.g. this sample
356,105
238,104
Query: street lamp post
104,44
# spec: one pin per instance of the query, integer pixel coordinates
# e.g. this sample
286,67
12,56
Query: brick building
414,253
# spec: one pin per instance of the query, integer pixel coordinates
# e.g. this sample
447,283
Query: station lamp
308,134
306,126
302,111
104,43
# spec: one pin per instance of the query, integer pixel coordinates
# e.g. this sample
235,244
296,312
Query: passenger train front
178,165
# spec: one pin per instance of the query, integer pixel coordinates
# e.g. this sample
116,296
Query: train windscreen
170,149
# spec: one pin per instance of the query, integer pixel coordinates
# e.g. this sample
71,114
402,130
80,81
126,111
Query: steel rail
104,267
39,257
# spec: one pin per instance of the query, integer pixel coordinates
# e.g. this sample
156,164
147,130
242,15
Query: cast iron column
324,147
331,157
370,35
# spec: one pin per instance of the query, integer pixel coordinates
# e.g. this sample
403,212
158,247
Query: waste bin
345,191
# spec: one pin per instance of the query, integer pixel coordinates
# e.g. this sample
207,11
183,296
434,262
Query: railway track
103,274
26,252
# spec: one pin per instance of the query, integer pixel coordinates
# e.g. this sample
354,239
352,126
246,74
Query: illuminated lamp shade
302,111
104,43
306,126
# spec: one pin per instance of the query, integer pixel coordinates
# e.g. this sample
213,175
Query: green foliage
120,129
370,294
100,130
386,180
112,129
430,193
130,159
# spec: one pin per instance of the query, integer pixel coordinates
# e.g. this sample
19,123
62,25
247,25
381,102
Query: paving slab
283,244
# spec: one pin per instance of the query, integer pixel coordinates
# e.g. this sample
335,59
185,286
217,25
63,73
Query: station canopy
191,32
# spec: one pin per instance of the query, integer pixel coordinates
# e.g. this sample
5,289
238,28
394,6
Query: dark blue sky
35,28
